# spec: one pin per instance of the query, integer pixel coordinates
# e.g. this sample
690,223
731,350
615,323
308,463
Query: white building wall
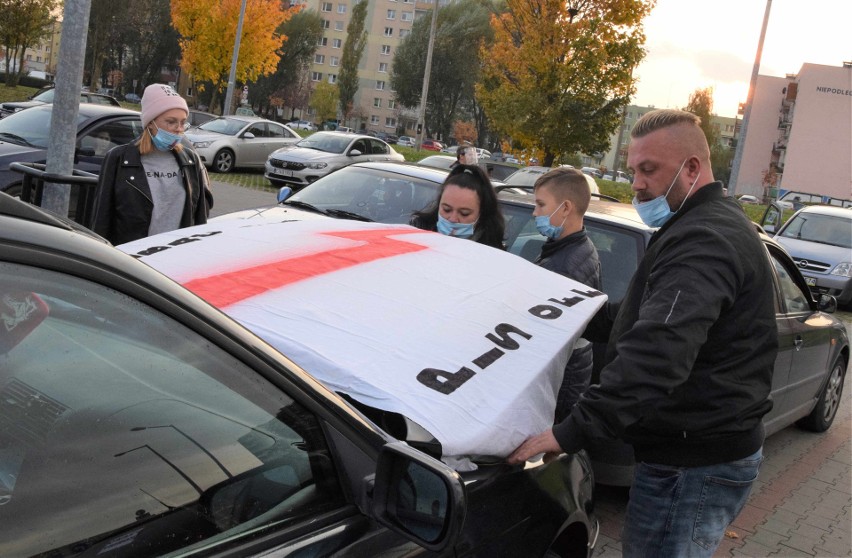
819,152
761,134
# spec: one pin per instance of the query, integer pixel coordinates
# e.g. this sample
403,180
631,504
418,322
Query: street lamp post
424,94
232,77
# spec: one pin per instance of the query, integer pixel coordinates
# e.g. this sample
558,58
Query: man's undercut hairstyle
663,118
567,184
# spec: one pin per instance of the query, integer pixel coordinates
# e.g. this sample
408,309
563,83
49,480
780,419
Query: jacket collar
132,157
705,194
550,246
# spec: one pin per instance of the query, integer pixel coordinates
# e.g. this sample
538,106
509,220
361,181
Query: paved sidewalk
801,504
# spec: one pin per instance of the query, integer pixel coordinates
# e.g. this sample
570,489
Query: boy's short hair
567,184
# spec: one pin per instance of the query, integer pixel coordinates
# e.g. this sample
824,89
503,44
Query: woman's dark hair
490,226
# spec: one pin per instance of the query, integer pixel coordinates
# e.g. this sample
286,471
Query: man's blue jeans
684,511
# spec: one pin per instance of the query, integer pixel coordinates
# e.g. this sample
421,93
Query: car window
223,125
276,131
29,127
45,96
360,145
110,134
325,142
825,229
794,300
378,148
259,130
124,433
618,251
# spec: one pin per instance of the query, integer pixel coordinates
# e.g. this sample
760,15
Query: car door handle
798,342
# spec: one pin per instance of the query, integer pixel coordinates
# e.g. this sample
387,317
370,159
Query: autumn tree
465,132
23,24
324,101
560,73
353,49
208,29
721,155
462,28
289,84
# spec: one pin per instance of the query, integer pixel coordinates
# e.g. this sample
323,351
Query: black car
138,420
46,95
24,137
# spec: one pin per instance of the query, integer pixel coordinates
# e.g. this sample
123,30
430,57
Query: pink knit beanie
157,99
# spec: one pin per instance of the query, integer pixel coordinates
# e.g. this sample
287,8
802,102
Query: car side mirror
827,303
418,497
86,151
248,135
355,153
283,193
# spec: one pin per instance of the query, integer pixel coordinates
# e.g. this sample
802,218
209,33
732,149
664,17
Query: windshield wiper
304,205
348,215
16,139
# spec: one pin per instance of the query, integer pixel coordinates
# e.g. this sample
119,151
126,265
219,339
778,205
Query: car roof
92,110
832,210
408,169
347,135
616,212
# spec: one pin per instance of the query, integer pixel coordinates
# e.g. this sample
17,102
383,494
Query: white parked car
406,141
303,125
322,153
239,141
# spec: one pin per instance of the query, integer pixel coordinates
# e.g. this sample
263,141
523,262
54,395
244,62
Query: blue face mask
458,230
656,212
164,140
545,228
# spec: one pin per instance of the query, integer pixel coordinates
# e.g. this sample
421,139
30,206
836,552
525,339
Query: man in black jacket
562,197
690,354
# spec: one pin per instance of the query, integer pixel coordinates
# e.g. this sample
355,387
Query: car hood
303,154
12,152
803,249
272,212
21,104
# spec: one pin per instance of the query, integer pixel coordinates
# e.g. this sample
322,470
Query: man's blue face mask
459,230
656,212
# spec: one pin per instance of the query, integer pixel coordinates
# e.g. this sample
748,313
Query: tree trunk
548,159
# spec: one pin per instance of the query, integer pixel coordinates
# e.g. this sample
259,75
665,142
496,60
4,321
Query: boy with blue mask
561,199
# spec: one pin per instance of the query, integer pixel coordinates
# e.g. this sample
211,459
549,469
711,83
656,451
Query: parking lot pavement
228,197
801,504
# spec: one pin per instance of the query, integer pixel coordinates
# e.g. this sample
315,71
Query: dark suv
138,420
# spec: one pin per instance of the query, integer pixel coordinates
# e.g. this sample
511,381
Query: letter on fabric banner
569,302
430,377
504,341
488,358
545,312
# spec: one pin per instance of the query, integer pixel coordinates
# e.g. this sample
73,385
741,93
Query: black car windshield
325,142
223,125
825,229
29,127
377,195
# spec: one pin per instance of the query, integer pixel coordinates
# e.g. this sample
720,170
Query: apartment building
799,137
388,22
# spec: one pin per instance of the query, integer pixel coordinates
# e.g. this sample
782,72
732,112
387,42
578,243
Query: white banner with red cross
466,340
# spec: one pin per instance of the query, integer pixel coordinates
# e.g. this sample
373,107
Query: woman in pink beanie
154,184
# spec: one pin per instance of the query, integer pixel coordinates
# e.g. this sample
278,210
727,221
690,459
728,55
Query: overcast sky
694,44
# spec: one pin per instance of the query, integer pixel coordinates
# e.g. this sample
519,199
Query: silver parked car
322,153
819,238
239,141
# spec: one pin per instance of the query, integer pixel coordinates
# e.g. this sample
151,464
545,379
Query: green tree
353,49
288,84
23,24
463,27
324,101
557,78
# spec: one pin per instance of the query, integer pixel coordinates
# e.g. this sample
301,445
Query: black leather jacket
123,206
574,257
692,345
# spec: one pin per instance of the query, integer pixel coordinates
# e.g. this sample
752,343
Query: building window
338,26
336,43
407,16
377,102
341,8
403,33
391,14
326,6
316,76
388,31
385,49
325,24
319,59
333,61
374,119
383,67
391,104
332,78
323,41
390,122
380,85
